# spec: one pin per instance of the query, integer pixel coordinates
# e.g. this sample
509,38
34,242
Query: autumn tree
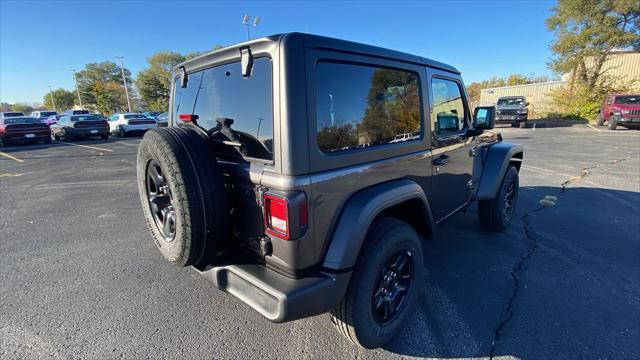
588,33
101,73
109,97
154,82
64,99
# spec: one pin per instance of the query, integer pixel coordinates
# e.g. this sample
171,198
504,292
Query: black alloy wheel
161,201
390,296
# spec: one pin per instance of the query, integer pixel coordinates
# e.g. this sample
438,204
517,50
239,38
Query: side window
448,113
361,106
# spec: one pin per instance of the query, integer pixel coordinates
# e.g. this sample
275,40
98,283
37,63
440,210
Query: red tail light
276,216
188,117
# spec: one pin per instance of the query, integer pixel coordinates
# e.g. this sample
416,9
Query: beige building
623,65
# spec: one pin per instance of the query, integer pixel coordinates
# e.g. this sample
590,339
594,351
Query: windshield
511,101
135,116
628,100
22,120
230,107
47,113
79,112
84,118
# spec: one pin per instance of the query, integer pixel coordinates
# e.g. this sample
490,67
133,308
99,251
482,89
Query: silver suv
302,175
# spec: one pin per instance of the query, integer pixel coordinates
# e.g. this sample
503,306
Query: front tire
613,122
122,133
384,286
104,137
496,214
522,124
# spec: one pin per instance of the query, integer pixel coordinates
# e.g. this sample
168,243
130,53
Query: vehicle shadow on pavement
583,274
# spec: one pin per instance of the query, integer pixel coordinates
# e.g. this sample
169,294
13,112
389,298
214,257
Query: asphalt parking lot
80,277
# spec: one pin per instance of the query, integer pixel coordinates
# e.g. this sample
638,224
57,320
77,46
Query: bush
582,102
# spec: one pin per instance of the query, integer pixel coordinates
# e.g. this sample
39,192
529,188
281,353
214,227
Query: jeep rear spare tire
182,193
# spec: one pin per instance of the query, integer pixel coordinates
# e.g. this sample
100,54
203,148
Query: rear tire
388,242
182,194
496,214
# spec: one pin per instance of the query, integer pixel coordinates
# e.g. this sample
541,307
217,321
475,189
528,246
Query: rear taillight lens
276,216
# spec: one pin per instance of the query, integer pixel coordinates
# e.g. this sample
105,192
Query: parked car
9,114
512,110
76,112
43,114
163,119
620,109
130,123
312,209
22,129
51,119
80,126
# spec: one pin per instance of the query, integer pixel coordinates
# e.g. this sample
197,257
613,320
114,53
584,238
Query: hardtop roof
323,42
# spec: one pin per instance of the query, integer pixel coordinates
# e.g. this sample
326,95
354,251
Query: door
451,160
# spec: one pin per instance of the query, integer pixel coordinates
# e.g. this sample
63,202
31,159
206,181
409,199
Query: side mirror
526,104
484,117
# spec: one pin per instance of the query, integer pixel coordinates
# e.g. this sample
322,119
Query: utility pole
75,77
52,101
245,22
124,81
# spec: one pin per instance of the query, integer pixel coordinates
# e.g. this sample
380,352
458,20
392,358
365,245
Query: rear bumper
138,128
275,296
87,131
21,138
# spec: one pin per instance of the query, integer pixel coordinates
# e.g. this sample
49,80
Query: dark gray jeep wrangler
303,174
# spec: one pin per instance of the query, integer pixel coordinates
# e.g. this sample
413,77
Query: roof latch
246,60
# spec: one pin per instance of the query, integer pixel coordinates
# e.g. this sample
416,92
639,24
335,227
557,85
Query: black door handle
441,160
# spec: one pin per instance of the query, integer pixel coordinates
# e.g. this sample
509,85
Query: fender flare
359,213
490,165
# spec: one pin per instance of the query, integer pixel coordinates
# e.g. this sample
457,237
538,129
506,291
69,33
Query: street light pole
75,77
52,101
245,22
124,81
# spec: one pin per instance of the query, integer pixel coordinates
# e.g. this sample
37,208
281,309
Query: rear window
47,113
22,120
84,118
136,116
628,100
80,112
230,107
511,102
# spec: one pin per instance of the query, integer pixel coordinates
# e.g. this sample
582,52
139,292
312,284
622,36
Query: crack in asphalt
533,246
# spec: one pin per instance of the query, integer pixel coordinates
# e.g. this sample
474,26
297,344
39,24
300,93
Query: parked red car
23,129
620,109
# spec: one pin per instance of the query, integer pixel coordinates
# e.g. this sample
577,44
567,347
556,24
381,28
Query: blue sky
41,41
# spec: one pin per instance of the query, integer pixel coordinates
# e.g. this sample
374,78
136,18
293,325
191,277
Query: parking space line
11,157
593,127
9,175
88,146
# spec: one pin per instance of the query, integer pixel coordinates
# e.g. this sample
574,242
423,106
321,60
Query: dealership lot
80,277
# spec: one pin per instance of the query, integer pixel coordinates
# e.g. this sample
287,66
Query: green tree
109,97
154,83
23,108
588,31
64,99
101,73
